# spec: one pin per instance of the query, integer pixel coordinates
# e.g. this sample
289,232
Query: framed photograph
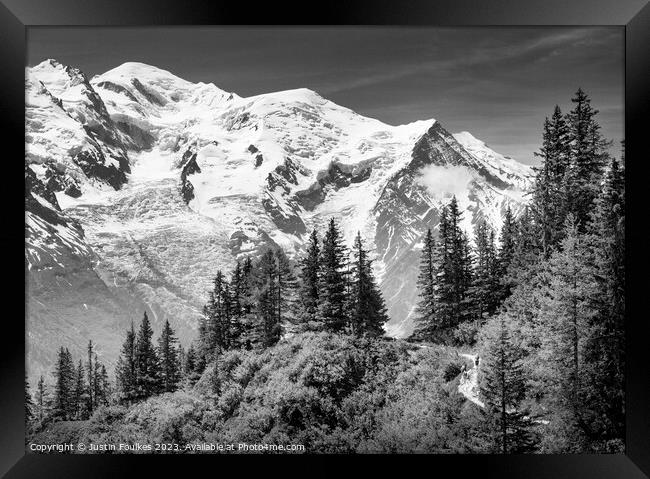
398,231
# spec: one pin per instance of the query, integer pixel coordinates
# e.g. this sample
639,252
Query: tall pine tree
332,280
286,287
425,319
368,311
485,287
588,158
454,271
126,371
41,399
169,361
147,380
502,385
64,377
309,291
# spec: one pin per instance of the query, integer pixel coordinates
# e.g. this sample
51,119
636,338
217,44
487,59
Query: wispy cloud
541,47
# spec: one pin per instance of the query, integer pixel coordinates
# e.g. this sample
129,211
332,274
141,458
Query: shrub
452,370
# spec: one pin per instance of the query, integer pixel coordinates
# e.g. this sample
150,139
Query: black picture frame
17,16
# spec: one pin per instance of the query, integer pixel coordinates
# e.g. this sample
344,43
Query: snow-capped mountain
161,182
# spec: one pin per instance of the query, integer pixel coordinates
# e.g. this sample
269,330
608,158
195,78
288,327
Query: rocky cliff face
172,180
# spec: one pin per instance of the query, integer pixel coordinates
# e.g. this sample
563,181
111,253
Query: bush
465,334
452,370
329,392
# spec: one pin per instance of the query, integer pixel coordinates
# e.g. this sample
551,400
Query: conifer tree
191,370
41,399
287,286
203,344
425,320
100,383
64,376
29,405
90,371
484,290
332,293
310,268
565,314
269,330
80,393
248,303
147,380
368,311
506,253
126,372
503,388
104,386
218,318
605,346
169,361
588,158
454,271
237,295
550,199
528,249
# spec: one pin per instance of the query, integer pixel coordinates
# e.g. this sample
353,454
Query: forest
292,350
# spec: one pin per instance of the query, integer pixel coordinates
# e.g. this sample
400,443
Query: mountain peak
141,71
296,95
57,77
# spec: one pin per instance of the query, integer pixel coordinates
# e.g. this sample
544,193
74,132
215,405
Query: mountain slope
213,176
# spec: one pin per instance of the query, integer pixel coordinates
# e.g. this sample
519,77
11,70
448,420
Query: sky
498,83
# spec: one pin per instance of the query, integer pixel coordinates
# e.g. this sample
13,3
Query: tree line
142,370
78,389
329,288
549,302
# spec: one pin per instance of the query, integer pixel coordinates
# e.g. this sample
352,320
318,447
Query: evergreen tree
454,270
588,158
309,291
103,384
90,370
100,383
202,350
332,291
249,318
485,288
191,371
503,389
64,376
147,380
217,313
268,329
237,299
550,188
425,319
29,405
41,399
528,250
169,361
565,315
80,393
368,311
605,347
126,372
287,286
507,250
